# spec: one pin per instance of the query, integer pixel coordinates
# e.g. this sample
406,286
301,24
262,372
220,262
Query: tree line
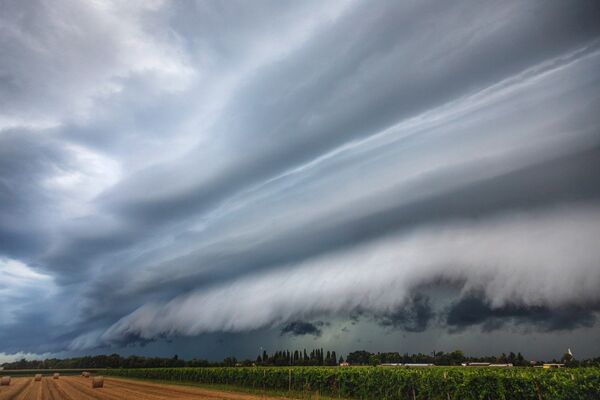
108,361
316,357
456,357
298,357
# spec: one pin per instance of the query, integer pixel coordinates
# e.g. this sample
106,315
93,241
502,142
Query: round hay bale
38,377
97,382
5,381
56,375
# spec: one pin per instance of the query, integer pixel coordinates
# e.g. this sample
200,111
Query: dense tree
374,360
360,357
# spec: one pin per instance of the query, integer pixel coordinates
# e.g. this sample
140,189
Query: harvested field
79,388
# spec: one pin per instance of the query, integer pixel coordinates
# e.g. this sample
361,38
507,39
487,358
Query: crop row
395,383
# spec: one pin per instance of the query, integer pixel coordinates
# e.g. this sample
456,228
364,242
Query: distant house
344,364
501,365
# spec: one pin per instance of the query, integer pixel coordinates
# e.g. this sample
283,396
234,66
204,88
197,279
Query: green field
380,383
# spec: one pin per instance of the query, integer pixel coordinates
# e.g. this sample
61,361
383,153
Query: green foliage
380,383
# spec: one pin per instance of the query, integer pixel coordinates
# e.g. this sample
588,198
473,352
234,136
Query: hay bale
38,377
97,382
85,374
56,375
5,381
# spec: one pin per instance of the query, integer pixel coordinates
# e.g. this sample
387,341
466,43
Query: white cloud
12,357
66,55
79,181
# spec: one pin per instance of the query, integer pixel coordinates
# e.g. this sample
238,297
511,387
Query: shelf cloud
181,169
518,262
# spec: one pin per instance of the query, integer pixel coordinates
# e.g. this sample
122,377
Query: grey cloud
34,333
184,203
548,181
563,180
267,151
26,161
222,145
53,76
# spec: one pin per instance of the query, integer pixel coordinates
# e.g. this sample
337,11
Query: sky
215,178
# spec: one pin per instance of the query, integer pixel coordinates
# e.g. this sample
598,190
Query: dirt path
80,388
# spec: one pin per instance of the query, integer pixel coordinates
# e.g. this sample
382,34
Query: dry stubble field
79,388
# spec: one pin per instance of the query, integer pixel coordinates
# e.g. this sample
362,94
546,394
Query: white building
418,365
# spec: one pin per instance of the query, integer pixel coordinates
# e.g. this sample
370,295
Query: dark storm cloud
34,333
474,310
300,328
160,160
412,317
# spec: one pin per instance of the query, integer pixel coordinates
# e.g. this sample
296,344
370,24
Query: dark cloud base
475,311
413,317
300,328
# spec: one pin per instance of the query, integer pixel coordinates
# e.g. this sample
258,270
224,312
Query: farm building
553,365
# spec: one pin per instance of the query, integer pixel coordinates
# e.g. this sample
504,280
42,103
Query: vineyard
378,383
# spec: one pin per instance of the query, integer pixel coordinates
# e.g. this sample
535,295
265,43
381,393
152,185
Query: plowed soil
80,388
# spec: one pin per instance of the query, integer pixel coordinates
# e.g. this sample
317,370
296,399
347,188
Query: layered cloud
547,259
177,169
